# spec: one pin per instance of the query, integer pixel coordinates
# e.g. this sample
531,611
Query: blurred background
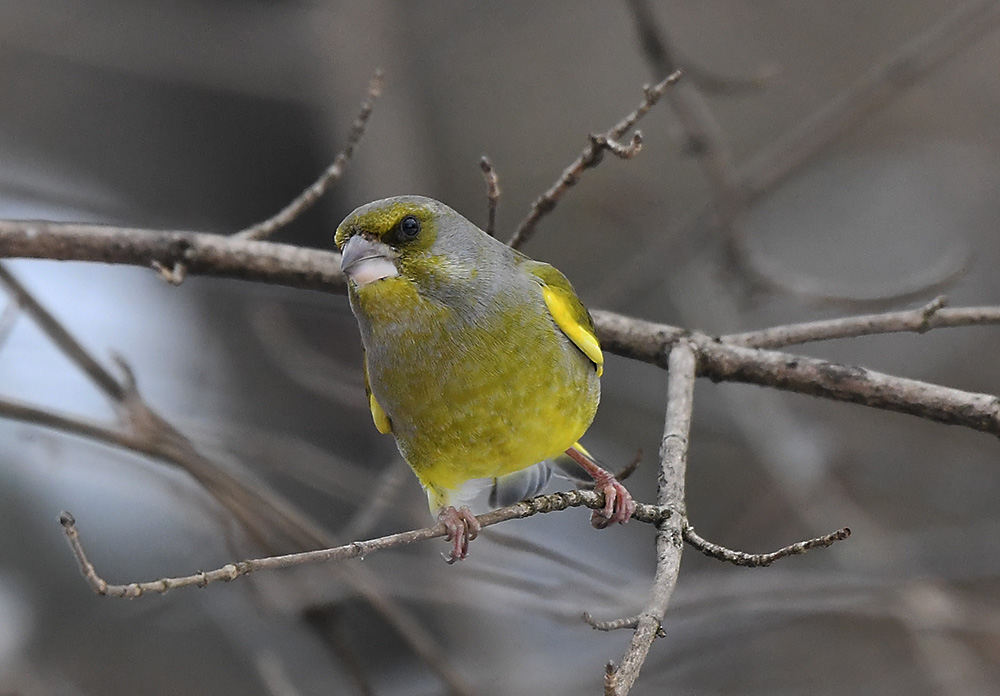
851,151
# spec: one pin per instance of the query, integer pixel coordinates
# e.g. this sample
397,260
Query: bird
478,360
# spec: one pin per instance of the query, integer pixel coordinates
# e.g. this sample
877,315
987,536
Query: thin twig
933,315
757,560
670,495
591,157
307,198
357,549
173,275
616,624
492,192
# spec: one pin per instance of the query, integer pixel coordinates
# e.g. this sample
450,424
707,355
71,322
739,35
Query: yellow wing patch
382,422
584,339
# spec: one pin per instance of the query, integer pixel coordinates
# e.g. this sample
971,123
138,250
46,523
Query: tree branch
328,178
201,253
759,560
492,193
851,383
629,337
356,549
591,157
722,362
933,315
670,496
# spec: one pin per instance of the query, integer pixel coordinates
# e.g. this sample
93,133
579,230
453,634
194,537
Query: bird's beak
366,261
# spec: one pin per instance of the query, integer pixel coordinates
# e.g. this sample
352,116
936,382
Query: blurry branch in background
260,510
8,318
882,83
738,187
591,157
307,198
705,139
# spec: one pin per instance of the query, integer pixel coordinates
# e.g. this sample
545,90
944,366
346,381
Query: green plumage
481,360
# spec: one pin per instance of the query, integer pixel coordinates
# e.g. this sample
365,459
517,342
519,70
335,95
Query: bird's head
410,237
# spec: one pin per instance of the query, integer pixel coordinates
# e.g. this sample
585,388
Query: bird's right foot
461,527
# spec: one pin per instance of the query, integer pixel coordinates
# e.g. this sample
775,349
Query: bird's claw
618,503
461,527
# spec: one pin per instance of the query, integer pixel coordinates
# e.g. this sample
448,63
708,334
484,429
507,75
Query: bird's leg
462,527
618,503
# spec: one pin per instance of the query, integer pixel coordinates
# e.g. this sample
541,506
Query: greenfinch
478,360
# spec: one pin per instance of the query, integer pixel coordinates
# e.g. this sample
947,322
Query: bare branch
617,624
201,254
670,496
307,198
357,549
591,157
805,375
933,315
492,192
647,341
626,336
757,560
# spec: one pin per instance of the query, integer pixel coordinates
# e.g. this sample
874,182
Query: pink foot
618,503
462,527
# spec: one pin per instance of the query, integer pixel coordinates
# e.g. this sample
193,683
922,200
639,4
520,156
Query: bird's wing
382,422
568,312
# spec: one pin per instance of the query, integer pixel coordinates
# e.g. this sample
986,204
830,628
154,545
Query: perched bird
480,361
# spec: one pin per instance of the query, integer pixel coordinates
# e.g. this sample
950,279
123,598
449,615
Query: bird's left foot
618,503
462,527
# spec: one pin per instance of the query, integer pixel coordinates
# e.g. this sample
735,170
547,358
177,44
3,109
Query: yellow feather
583,338
382,423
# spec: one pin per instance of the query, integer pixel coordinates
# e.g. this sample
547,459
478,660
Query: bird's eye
409,227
